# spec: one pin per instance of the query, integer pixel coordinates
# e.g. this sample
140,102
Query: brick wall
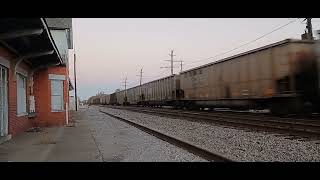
42,93
16,124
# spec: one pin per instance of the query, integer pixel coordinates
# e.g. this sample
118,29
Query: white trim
22,72
57,77
4,120
25,112
67,113
4,62
60,94
22,114
57,110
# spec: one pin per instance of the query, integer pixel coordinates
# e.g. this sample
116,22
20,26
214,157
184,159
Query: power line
158,75
171,54
247,42
150,77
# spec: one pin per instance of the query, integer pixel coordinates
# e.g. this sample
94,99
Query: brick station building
34,73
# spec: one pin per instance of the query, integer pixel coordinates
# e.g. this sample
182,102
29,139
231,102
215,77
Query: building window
21,95
57,95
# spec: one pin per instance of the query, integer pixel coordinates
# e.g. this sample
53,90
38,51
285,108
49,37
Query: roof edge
45,25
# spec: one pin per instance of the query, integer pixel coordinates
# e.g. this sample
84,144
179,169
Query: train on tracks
282,77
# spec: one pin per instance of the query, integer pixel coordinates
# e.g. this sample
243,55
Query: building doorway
3,101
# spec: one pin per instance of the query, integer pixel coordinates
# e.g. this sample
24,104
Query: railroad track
256,116
208,155
289,126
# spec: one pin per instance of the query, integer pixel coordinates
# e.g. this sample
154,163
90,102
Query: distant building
72,103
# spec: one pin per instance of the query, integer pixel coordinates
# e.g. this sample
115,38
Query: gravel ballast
118,141
235,144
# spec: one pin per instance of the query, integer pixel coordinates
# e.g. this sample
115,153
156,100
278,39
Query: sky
109,50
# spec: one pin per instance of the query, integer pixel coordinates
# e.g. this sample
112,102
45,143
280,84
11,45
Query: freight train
282,77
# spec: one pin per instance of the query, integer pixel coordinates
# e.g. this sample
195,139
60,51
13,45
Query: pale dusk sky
108,50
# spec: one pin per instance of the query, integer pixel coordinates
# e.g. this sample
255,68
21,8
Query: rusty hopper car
105,99
121,99
282,77
90,100
113,99
160,92
102,101
155,93
94,100
133,95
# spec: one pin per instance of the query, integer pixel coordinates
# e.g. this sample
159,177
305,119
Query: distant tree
117,90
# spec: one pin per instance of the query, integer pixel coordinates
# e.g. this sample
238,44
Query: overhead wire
254,40
260,37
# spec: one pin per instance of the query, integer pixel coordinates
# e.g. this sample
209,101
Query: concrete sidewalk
95,137
53,144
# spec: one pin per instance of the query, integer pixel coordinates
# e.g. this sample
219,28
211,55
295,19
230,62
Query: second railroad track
289,126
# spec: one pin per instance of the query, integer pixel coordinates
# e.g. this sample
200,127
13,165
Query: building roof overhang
30,39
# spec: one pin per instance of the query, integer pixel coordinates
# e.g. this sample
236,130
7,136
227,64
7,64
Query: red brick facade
15,124
42,93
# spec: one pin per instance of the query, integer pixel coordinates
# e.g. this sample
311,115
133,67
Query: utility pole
125,86
171,62
141,76
140,83
171,55
309,27
75,79
125,91
75,73
181,65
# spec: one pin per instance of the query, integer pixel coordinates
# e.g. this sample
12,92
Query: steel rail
208,155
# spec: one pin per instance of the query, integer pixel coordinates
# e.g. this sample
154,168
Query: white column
67,114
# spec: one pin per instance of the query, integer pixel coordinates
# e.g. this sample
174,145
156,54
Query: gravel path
235,144
118,141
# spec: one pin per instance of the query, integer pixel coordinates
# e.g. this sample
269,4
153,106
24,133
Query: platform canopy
30,39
